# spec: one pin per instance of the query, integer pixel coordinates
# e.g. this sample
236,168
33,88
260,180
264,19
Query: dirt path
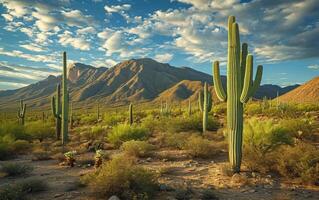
180,177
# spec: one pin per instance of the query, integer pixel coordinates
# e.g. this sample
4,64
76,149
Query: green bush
40,131
113,119
15,169
302,128
197,146
124,132
299,161
137,148
123,178
262,137
14,130
173,140
10,148
193,123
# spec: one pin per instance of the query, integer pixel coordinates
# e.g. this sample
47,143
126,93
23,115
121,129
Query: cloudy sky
282,34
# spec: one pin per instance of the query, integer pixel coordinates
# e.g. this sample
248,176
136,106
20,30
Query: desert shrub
197,146
173,140
124,132
19,190
155,124
88,119
304,107
282,111
302,128
113,119
40,131
5,151
40,155
299,161
220,108
123,178
14,130
193,123
137,148
21,146
15,169
260,139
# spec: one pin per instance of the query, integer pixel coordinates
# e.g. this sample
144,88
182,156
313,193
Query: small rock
58,195
251,191
165,160
212,162
114,198
149,159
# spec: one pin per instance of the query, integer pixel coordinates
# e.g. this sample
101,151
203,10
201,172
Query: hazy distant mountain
131,80
306,93
270,91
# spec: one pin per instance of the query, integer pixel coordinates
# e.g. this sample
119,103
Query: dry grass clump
197,146
19,190
123,178
137,148
299,162
15,169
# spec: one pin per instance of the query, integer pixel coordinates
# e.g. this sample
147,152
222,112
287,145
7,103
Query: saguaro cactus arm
220,92
245,94
257,80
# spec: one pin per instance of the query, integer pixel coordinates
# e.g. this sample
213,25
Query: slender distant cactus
240,87
56,110
205,105
161,109
21,112
65,102
189,107
130,110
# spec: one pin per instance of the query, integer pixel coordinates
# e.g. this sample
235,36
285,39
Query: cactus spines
65,102
21,112
130,110
56,110
240,87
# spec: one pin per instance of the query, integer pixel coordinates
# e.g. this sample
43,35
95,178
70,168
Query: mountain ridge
132,80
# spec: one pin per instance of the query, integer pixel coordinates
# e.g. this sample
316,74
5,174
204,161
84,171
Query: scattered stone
213,162
251,191
165,160
58,195
149,159
114,198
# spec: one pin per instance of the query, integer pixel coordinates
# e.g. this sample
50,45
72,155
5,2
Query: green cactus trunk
21,112
65,102
240,87
130,110
205,105
56,110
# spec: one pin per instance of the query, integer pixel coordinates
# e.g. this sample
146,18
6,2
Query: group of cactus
60,107
205,104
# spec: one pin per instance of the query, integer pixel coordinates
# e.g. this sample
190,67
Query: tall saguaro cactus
240,87
56,110
65,102
21,112
130,110
205,105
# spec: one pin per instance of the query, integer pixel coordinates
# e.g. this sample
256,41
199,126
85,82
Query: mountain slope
131,80
306,93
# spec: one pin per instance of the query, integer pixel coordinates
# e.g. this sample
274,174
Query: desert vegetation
188,149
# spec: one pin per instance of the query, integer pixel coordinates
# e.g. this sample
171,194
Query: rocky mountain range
135,80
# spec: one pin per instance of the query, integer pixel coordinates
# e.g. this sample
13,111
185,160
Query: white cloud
86,30
164,58
76,18
117,8
32,47
104,63
31,57
106,33
7,17
315,67
67,38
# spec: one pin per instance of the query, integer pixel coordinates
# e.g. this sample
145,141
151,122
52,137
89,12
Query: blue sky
282,35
